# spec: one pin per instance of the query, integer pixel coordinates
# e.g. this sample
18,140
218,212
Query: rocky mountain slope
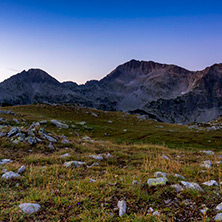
165,92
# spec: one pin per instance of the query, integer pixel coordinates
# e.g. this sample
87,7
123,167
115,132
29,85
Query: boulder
29,208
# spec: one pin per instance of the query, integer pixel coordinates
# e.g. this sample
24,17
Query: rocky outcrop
163,92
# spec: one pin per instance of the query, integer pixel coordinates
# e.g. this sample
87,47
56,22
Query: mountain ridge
168,92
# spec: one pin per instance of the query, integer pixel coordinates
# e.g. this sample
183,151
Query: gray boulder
10,175
29,208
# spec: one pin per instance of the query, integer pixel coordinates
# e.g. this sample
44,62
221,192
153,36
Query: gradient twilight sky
86,39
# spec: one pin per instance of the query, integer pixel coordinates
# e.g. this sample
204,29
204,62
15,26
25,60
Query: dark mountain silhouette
166,92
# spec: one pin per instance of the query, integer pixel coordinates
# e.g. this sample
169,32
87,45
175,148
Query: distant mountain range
167,93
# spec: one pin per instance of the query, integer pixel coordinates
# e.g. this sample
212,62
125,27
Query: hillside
82,164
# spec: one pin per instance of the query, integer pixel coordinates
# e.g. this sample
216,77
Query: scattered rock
179,176
165,157
59,124
157,181
13,131
81,123
134,182
159,174
192,186
96,157
74,164
204,211
51,146
207,164
211,183
91,180
207,152
156,213
122,207
4,161
94,164
177,187
218,217
219,207
10,175
65,155
29,208
21,170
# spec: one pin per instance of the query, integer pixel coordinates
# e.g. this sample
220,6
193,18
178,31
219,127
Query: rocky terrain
163,92
66,163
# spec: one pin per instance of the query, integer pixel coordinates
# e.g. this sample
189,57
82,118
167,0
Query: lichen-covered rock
122,207
157,181
74,164
13,131
29,208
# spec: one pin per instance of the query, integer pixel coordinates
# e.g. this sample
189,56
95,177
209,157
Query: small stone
108,155
13,131
207,164
94,164
91,180
159,174
157,181
29,208
51,146
134,182
218,217
21,170
219,207
204,211
177,187
59,124
10,175
165,157
179,176
65,155
122,207
81,123
96,157
211,183
150,210
156,213
4,161
74,164
208,152
191,185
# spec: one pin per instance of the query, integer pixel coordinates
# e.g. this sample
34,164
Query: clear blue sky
83,40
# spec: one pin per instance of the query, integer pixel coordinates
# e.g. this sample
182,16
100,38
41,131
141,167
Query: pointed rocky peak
33,76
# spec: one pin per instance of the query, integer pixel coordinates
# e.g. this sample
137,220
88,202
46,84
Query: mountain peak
34,76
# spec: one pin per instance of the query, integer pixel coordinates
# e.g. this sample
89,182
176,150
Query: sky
83,40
